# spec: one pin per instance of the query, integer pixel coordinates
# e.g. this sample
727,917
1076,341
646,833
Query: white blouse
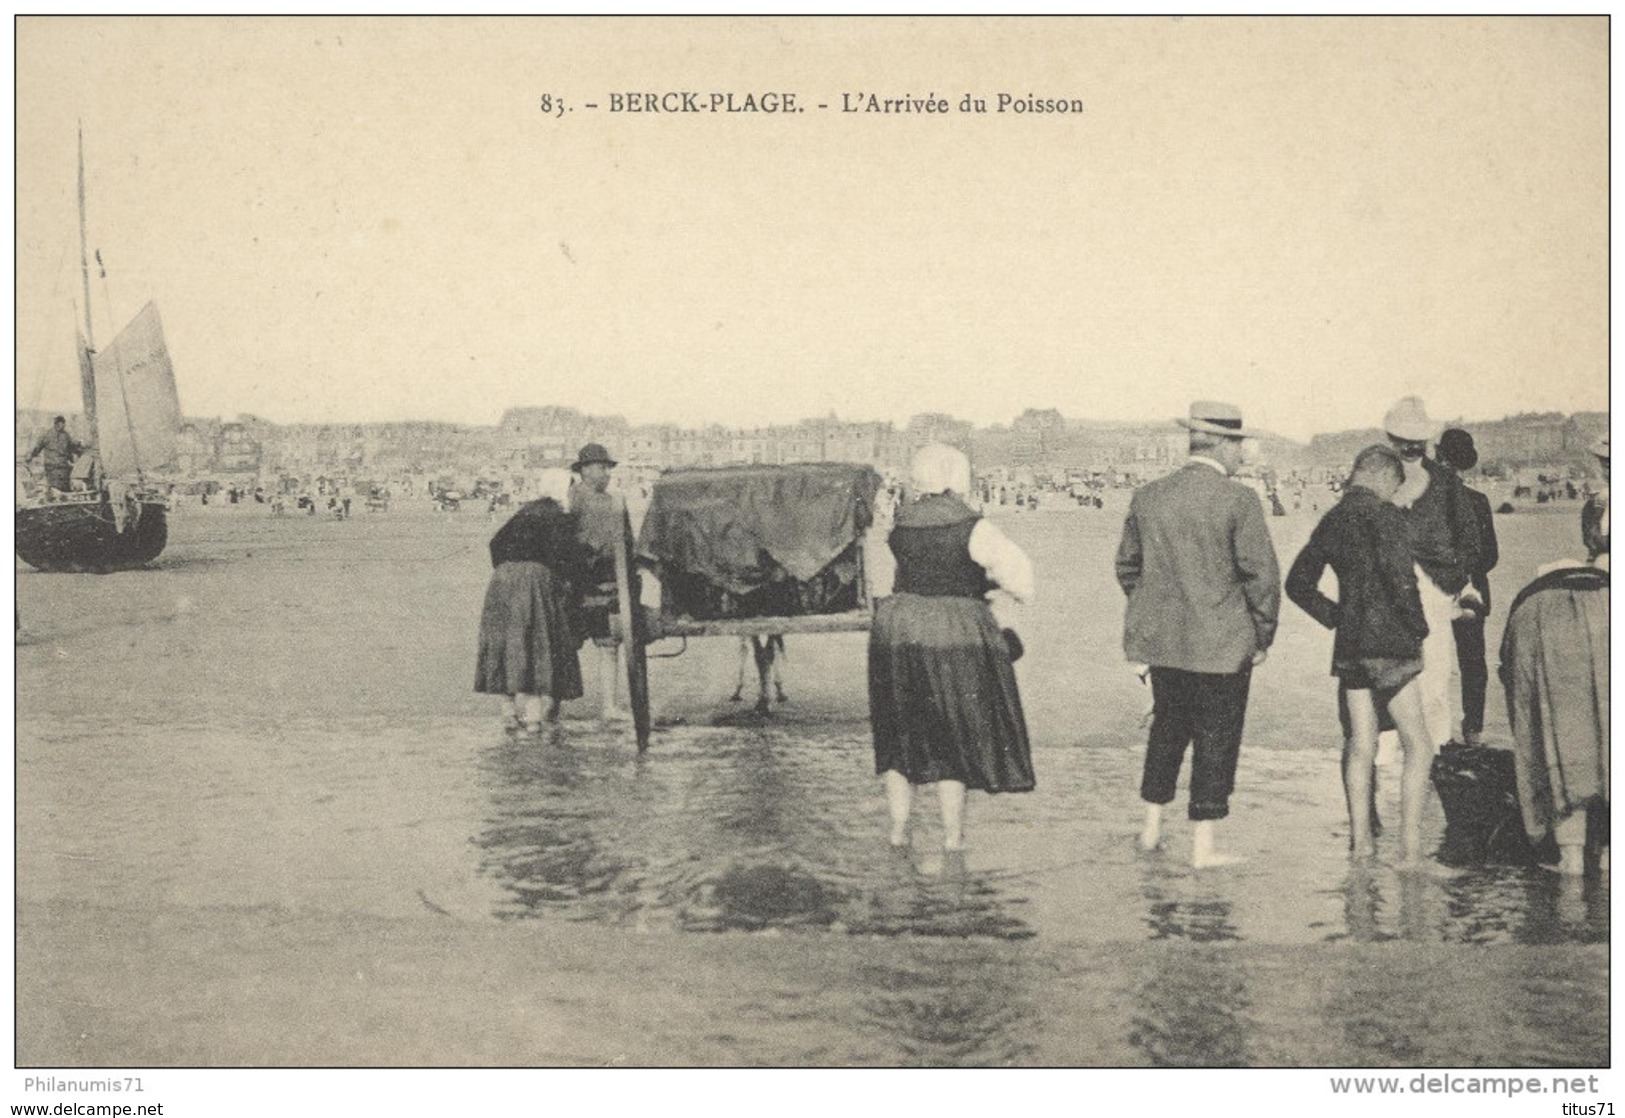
1004,562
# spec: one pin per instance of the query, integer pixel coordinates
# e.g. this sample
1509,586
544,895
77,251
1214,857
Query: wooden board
853,621
632,645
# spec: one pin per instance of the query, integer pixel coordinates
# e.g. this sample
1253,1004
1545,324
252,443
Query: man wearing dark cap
1458,454
59,449
603,527
1204,591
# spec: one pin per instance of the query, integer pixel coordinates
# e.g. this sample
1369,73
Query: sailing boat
120,520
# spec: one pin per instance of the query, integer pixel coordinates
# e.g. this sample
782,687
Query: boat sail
132,408
138,411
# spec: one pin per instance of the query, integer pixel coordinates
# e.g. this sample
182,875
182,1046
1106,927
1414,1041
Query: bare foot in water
1213,860
1149,842
615,714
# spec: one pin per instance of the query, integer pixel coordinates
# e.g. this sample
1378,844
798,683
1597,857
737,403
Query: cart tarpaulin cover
759,541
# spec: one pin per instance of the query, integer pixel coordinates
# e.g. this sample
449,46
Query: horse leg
776,648
763,652
739,691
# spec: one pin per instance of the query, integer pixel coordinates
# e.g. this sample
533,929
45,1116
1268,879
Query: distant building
1039,443
237,451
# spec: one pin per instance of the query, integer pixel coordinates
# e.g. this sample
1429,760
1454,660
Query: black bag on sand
1478,787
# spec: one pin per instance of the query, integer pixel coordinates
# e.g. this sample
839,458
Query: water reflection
543,840
725,831
761,828
1195,921
1492,904
939,894
1561,909
950,1004
1191,1008
1362,908
1190,1005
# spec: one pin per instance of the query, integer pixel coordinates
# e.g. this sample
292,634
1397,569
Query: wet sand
262,820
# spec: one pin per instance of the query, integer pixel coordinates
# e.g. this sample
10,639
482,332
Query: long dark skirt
943,702
528,645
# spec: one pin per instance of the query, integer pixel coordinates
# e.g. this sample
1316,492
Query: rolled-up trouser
1438,659
1205,711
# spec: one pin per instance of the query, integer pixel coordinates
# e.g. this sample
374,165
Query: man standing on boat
59,449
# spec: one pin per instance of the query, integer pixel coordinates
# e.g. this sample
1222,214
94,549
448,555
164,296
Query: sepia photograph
810,543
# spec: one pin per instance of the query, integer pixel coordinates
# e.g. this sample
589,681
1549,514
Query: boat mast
87,380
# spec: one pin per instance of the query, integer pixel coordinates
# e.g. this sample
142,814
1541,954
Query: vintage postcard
801,542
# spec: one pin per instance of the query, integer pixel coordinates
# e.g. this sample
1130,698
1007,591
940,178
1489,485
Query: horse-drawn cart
752,551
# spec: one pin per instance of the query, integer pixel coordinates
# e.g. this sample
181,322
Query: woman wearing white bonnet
943,702
528,640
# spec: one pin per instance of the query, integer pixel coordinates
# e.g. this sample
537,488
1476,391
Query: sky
349,220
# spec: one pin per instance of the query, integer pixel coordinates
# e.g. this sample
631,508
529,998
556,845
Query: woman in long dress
1554,663
530,638
943,702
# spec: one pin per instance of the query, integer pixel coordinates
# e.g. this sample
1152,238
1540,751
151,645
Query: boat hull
83,537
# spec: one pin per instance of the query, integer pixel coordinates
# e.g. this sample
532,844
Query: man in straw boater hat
603,527
1444,544
1204,591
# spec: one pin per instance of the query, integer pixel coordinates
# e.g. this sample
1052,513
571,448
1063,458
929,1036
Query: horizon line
902,425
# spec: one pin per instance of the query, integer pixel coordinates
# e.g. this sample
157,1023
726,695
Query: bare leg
530,708
1359,772
951,796
899,801
511,707
1204,854
744,654
1571,837
763,650
608,676
776,643
1407,710
1151,835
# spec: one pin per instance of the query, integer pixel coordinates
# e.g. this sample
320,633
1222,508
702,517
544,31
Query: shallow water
279,715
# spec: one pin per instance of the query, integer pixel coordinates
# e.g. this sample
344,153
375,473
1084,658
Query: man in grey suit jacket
1204,591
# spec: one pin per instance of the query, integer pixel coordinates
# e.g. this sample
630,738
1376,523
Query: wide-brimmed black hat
1456,449
591,454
